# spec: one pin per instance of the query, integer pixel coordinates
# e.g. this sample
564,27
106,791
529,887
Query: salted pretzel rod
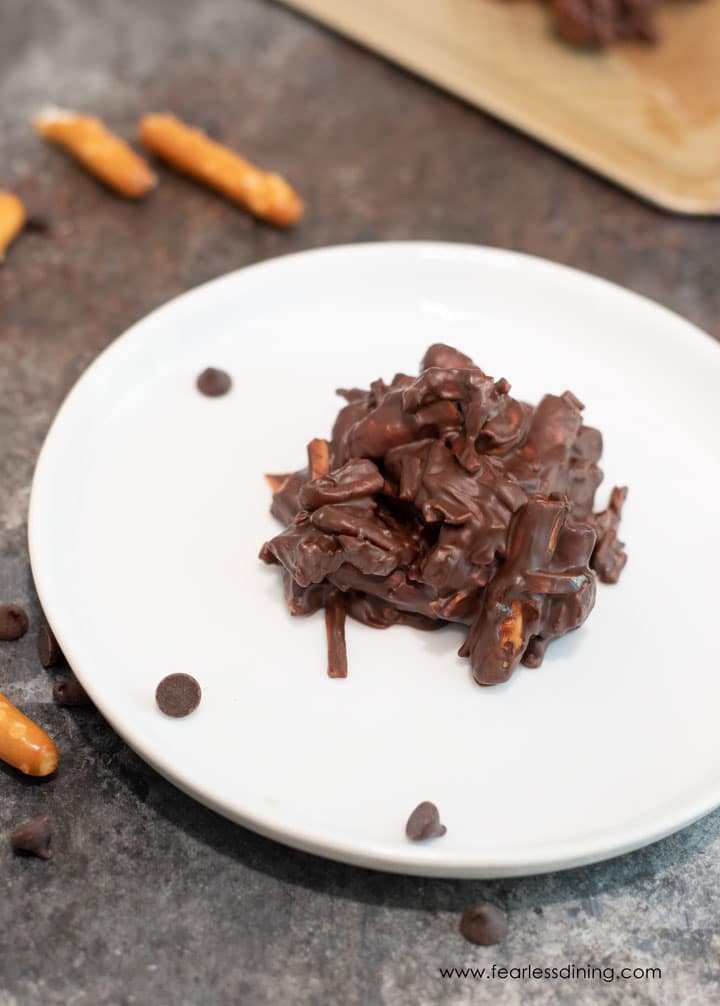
23,744
103,154
12,220
190,150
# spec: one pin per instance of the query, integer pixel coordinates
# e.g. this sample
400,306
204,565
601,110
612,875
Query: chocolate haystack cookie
424,823
484,925
440,498
14,621
33,837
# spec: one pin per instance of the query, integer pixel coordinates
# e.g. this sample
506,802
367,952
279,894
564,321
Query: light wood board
647,117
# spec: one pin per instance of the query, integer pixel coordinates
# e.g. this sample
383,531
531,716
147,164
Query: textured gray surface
150,897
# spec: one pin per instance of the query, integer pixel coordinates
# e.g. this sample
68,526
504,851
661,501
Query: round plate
149,507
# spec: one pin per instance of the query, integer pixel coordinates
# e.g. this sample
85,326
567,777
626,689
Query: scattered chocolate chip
178,695
34,837
69,692
214,382
47,647
484,925
424,822
13,621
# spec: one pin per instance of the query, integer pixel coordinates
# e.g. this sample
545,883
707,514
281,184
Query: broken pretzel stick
318,458
12,220
105,155
276,482
190,150
23,744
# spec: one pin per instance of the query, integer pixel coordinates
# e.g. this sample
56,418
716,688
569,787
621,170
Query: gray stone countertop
151,898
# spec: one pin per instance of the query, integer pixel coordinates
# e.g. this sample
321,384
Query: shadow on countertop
339,880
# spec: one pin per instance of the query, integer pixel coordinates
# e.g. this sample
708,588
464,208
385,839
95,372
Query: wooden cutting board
647,117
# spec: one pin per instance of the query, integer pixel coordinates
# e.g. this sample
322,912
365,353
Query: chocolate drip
335,628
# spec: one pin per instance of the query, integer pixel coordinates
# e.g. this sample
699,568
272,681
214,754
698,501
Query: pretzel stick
276,482
23,744
100,151
12,220
318,458
190,150
319,465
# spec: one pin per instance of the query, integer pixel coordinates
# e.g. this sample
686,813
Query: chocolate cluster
441,498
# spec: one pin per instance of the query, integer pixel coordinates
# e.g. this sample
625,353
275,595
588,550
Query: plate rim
558,856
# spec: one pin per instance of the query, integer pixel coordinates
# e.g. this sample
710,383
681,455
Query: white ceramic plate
149,507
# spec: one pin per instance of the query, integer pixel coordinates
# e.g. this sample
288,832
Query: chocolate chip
424,822
13,621
69,692
47,647
484,925
34,837
178,695
214,382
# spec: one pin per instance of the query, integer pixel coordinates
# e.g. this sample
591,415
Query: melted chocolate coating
609,558
449,500
544,589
